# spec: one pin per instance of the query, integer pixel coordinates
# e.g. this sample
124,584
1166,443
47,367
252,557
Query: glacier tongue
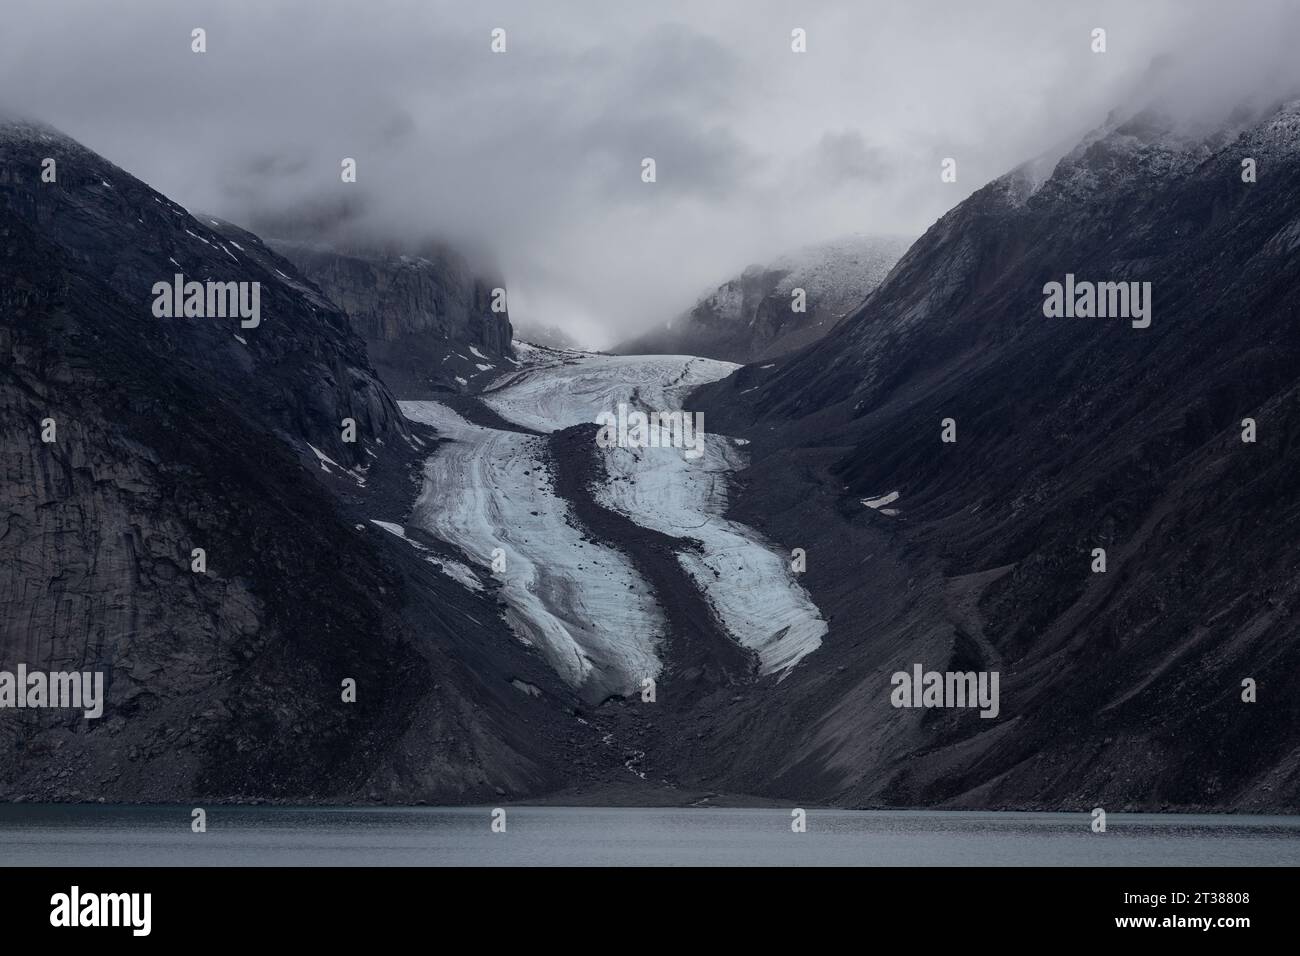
581,604
745,579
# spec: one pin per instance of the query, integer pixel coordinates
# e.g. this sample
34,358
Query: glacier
581,604
746,580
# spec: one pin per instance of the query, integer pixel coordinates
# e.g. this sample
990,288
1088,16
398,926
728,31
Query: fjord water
74,835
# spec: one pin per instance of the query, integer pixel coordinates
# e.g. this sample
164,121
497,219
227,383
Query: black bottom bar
525,908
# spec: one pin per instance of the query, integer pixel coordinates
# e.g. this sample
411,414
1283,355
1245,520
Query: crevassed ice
745,578
581,604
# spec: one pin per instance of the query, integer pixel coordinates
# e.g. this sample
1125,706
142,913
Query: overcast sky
535,155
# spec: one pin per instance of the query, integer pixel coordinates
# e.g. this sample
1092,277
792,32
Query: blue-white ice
746,579
582,604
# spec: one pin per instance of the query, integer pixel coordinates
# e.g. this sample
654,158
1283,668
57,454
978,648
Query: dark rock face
750,318
173,434
422,316
302,365
1118,688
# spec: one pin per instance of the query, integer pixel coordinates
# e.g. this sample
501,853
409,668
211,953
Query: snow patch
532,690
877,503
325,461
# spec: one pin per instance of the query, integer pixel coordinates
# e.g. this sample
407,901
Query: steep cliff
167,435
426,318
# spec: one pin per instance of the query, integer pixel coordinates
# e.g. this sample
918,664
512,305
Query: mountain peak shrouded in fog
534,154
775,308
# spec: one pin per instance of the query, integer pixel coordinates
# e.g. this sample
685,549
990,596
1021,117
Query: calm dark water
462,836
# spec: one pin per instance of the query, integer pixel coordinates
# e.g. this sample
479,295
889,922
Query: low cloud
534,156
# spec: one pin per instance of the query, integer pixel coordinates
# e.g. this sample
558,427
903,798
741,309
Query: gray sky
534,156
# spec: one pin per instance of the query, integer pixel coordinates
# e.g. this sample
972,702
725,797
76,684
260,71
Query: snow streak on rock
453,569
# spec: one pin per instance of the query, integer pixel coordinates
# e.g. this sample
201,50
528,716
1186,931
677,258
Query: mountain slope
752,318
183,433
1118,688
